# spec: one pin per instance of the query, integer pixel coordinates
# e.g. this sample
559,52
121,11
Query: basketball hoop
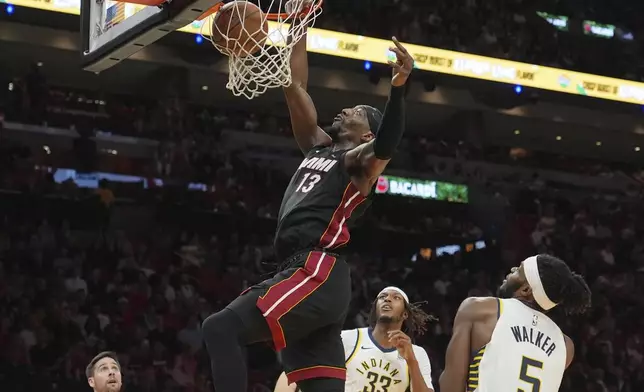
266,66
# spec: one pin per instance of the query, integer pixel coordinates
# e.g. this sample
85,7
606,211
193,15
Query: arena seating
135,270
508,30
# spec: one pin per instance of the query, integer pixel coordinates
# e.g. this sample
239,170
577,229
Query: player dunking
509,344
104,373
301,310
382,356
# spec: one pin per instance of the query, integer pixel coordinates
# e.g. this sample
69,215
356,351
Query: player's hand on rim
403,65
402,342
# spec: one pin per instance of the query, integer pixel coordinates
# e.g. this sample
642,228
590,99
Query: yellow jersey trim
355,348
473,370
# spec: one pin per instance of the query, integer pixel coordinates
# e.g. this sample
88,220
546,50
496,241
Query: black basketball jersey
318,205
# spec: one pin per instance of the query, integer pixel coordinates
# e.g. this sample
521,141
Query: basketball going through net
257,43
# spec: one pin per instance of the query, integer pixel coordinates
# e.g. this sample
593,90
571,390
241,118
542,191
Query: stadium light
9,9
367,65
518,89
198,39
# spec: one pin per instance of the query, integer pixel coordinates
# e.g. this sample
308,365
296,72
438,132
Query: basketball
239,29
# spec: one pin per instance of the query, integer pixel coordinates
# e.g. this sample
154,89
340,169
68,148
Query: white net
259,60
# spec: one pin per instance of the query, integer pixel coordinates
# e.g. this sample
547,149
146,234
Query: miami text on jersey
319,164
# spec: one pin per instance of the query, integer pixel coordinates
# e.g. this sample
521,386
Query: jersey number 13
309,181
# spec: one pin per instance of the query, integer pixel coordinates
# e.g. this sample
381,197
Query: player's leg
317,363
321,385
227,333
316,295
284,309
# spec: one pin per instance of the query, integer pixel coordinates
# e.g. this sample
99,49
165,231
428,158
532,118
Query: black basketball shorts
305,307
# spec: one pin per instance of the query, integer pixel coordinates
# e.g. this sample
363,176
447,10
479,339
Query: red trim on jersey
286,294
247,289
316,372
337,233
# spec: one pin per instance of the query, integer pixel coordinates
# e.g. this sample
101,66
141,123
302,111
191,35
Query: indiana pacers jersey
527,352
373,368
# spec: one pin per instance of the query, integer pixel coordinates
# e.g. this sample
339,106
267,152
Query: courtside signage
435,60
423,189
390,185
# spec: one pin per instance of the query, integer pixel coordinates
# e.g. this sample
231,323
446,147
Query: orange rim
285,15
269,16
211,10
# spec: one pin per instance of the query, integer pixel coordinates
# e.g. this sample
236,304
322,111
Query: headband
374,117
396,289
531,270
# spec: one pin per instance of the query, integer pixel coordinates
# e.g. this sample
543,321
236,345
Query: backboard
112,31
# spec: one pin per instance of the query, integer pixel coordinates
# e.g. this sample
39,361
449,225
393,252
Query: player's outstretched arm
369,160
421,372
418,364
282,385
304,117
457,357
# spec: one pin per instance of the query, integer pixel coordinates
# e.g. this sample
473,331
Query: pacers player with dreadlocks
510,343
382,357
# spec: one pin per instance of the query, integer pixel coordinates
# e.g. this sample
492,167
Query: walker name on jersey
524,334
319,164
374,364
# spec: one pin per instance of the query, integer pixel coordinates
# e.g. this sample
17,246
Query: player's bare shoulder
570,350
479,308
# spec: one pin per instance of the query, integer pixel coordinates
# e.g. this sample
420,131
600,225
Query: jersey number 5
374,378
308,182
527,363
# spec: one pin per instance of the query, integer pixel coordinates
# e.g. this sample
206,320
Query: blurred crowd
604,243
80,274
501,29
193,139
136,270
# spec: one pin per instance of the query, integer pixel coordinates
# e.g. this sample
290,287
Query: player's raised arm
369,160
457,357
304,117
